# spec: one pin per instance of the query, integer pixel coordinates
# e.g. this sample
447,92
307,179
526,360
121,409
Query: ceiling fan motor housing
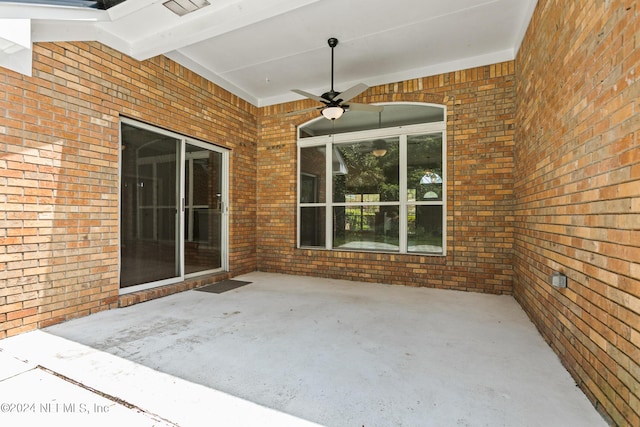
329,96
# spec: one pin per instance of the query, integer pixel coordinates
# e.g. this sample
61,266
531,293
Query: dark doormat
224,286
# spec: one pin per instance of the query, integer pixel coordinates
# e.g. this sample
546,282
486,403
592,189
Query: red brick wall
577,186
481,113
59,172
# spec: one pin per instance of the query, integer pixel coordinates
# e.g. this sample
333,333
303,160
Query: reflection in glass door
149,206
172,221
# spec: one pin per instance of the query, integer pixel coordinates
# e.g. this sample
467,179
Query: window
381,190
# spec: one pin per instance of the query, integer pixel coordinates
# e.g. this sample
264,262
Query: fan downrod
329,96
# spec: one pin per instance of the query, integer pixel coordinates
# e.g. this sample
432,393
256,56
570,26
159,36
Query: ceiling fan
336,103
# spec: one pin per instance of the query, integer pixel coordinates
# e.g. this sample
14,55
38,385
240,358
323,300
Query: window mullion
445,174
329,196
298,197
403,195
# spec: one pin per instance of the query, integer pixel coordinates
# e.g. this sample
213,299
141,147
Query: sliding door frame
224,210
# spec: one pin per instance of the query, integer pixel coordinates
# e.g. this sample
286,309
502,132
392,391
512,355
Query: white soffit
260,49
15,45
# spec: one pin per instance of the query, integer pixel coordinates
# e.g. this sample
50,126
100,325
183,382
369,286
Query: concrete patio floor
295,351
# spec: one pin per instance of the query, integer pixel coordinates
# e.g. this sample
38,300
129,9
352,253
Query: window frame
402,133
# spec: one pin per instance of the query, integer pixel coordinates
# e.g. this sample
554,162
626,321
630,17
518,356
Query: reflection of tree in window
424,169
368,179
367,174
201,193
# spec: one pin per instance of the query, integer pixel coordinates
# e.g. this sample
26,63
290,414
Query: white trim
403,211
298,190
328,198
524,26
180,180
445,174
224,241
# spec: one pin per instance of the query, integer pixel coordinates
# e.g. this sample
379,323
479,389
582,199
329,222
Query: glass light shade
379,148
332,113
379,152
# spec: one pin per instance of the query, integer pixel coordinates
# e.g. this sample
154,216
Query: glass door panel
203,210
149,207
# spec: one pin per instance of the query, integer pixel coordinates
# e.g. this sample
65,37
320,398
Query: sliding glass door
172,215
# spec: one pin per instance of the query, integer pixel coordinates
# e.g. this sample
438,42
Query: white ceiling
261,49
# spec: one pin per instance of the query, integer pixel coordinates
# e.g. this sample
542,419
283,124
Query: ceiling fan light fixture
379,148
379,152
332,113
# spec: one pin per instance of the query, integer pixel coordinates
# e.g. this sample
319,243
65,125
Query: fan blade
309,95
364,107
306,110
352,92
